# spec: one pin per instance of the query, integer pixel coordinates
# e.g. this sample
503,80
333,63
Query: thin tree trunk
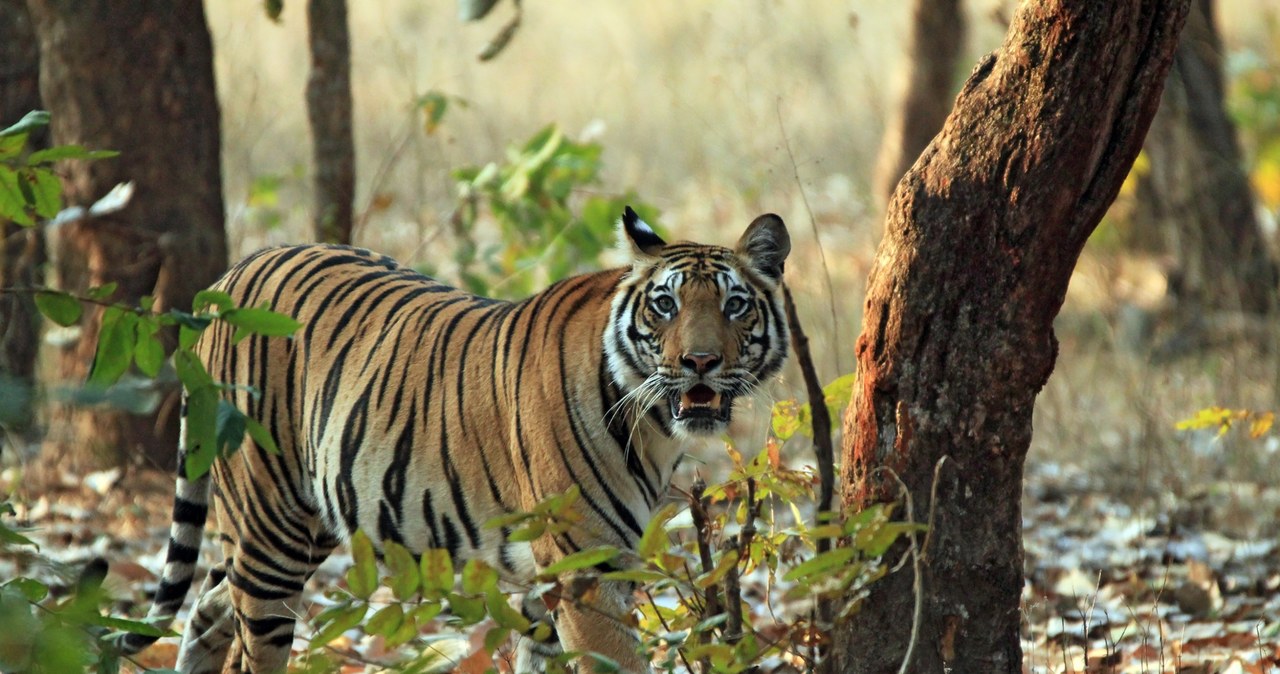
933,59
1198,191
957,337
22,254
329,109
134,76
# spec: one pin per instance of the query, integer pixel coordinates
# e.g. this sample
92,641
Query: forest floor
1190,586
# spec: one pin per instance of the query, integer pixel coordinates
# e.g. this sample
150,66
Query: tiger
416,412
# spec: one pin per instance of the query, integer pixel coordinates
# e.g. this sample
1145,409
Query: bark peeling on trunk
980,240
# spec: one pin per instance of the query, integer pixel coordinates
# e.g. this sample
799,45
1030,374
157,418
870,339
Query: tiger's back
400,386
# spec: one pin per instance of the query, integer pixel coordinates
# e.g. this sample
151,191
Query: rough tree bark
1197,191
134,76
957,336
329,109
21,249
933,55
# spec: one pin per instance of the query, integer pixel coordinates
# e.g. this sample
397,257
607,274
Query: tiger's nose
701,363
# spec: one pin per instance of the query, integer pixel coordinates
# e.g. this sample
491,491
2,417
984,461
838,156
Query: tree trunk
933,55
329,109
957,336
134,76
1198,191
21,249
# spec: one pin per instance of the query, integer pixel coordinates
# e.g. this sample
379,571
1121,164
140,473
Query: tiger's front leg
592,616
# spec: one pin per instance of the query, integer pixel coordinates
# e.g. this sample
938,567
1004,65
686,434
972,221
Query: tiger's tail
190,511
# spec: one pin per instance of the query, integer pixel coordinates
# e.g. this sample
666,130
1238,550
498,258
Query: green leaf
385,621
10,537
603,664
400,636
46,192
59,307
437,570
654,541
468,609
103,292
132,626
504,615
32,589
11,146
710,623
433,105
884,536
195,324
68,152
403,569
506,520
261,436
478,577
839,393
531,531
362,577
215,298
727,562
202,430
495,638
187,337
337,620
259,322
29,122
13,200
785,420
190,370
820,564
115,347
426,611
148,352
559,504
231,427
583,559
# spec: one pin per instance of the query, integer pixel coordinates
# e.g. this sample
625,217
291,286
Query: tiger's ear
639,236
765,245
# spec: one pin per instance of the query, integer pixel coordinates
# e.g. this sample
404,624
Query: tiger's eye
664,304
734,306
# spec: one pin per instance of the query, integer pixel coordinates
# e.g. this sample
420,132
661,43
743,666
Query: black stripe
189,512
263,626
182,554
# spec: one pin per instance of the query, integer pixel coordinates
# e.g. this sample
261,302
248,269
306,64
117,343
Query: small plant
1222,418
29,189
48,635
727,578
544,232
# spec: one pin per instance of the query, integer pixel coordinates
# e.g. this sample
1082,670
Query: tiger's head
693,326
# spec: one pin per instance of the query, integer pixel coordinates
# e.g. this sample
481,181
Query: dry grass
694,102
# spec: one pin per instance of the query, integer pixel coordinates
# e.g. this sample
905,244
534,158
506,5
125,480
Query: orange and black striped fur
417,412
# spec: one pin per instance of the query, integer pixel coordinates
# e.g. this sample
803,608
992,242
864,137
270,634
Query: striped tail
190,510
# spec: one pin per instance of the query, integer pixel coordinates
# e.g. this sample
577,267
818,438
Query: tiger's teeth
687,403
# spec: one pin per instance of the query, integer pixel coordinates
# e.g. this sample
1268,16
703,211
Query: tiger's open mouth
700,405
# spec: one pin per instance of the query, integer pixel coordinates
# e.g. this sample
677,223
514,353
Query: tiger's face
694,327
